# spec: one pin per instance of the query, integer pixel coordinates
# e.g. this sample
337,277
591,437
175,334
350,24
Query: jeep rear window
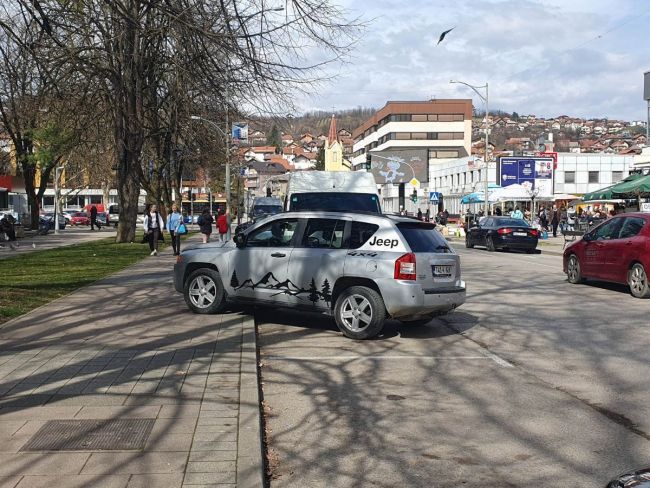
360,233
335,202
423,237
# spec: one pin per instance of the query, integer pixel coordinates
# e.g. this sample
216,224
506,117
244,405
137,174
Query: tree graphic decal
313,292
234,282
326,292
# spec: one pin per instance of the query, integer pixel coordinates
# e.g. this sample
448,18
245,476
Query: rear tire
203,292
574,272
468,242
360,312
489,244
637,279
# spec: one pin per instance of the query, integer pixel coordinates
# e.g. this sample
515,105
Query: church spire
332,137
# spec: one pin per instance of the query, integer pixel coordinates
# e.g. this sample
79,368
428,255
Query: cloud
539,57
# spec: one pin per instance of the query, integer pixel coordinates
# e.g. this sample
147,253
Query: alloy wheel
638,281
356,313
573,269
202,291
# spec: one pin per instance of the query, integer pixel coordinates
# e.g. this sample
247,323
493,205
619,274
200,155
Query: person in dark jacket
7,226
205,222
93,219
555,219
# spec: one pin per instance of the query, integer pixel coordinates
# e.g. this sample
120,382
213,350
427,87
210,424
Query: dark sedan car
502,233
48,221
618,250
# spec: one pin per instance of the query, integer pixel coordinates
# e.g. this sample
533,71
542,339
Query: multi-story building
406,140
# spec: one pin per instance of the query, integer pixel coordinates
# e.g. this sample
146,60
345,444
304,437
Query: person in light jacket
174,220
153,225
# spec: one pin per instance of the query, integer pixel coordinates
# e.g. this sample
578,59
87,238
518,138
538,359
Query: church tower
334,151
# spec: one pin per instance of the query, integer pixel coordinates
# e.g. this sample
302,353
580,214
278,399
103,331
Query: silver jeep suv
360,268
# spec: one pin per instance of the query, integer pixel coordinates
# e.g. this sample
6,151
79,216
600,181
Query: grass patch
30,280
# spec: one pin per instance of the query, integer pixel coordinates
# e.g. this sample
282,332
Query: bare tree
229,54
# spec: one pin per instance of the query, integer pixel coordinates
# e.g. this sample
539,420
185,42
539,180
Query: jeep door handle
278,255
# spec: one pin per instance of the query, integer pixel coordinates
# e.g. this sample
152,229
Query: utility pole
57,175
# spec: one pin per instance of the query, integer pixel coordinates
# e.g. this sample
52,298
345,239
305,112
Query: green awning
611,192
634,187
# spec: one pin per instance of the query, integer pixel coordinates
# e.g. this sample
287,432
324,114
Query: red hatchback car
618,250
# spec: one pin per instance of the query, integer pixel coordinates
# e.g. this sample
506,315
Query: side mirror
240,240
588,237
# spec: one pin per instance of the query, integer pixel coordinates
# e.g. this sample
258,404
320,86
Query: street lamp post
487,131
226,140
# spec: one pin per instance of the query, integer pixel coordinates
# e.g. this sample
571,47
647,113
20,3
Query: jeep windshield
335,202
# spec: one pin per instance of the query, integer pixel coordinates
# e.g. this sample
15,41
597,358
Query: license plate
519,234
442,270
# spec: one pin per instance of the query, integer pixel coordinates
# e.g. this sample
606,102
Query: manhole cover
91,435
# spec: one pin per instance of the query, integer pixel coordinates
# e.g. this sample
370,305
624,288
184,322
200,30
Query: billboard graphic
535,174
240,132
400,165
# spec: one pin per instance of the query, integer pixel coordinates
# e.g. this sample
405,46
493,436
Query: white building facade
576,174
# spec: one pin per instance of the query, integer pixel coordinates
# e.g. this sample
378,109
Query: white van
332,191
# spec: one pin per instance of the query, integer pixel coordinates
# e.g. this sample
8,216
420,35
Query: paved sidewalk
67,237
127,348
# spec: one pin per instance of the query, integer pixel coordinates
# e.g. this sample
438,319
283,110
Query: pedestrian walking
205,222
564,218
174,220
222,225
419,214
93,219
7,227
517,214
427,216
153,228
555,219
543,220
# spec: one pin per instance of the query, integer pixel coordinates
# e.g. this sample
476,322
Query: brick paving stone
71,360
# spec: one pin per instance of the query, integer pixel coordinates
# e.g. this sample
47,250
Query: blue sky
579,57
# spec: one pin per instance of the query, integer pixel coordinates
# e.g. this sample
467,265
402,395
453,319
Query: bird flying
442,36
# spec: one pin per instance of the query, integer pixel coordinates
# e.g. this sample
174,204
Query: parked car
103,219
265,206
618,250
359,268
47,219
80,218
502,233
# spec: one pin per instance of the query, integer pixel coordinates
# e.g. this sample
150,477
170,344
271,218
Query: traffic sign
434,196
415,182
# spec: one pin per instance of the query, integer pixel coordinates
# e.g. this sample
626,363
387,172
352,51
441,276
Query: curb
250,461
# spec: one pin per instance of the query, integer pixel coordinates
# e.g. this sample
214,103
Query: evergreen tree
274,139
320,160
234,282
313,292
326,291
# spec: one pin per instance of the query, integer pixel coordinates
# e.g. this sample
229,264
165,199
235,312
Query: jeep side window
324,233
278,233
360,233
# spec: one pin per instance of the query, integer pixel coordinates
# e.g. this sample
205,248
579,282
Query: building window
594,177
569,176
458,117
432,118
95,199
418,136
617,176
48,201
402,136
419,118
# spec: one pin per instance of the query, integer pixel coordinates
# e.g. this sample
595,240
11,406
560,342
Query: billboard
400,165
535,174
646,86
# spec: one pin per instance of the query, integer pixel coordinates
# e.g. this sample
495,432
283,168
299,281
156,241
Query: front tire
637,279
360,312
574,272
468,242
489,244
204,292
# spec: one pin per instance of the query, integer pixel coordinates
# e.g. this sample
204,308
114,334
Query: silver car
360,268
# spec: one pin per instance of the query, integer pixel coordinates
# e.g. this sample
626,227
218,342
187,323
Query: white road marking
500,361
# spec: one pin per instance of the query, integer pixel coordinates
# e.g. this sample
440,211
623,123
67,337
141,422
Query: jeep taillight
405,267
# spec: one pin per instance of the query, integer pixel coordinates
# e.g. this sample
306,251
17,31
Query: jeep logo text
384,242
